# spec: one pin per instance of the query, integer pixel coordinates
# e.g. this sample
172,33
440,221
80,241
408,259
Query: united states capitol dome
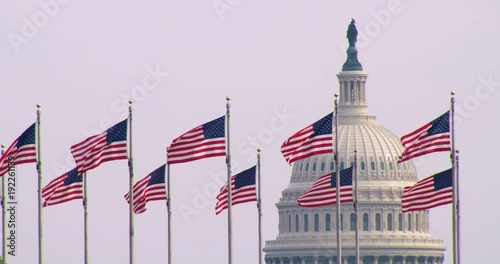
386,235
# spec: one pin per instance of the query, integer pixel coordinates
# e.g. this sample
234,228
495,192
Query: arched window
409,222
314,166
296,223
391,167
389,221
382,165
307,166
290,223
362,165
316,222
306,223
372,165
322,166
352,164
341,165
341,222
332,166
378,222
301,164
365,222
400,222
328,223
417,220
352,225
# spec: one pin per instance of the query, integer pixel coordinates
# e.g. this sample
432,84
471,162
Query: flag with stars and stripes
243,190
429,192
324,190
151,188
107,146
64,188
205,141
22,150
313,140
432,137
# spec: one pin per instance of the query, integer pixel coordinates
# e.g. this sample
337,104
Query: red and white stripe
192,145
244,194
321,193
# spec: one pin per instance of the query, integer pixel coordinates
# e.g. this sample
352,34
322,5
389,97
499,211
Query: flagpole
85,220
356,203
131,186
458,201
169,216
39,170
229,186
4,238
259,206
456,254
337,172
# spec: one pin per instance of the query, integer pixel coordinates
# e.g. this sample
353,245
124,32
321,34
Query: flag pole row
212,139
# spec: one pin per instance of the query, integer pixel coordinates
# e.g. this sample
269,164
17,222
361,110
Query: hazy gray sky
278,60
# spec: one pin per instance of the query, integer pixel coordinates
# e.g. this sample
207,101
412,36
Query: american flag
313,140
151,188
64,188
324,190
429,192
107,146
243,190
432,137
205,141
22,150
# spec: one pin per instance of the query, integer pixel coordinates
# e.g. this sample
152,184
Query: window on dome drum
341,165
400,222
362,165
390,166
296,223
316,222
322,166
378,222
301,166
307,167
382,165
290,223
389,221
365,222
341,222
328,222
332,166
306,223
372,165
352,164
352,225
314,166
409,222
417,223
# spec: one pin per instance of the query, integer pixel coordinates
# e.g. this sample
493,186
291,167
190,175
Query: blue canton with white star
345,178
245,178
27,137
72,177
443,180
157,176
214,128
323,126
117,132
440,125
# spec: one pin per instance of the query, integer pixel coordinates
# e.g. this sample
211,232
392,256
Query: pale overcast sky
278,60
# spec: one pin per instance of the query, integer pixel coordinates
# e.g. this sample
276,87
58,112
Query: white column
330,261
404,259
344,259
303,260
376,257
316,260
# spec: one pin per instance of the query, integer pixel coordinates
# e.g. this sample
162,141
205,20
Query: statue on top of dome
352,33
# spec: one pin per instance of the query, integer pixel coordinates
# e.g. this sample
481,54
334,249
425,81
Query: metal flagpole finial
336,95
258,150
456,150
3,146
130,101
452,93
228,98
38,105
